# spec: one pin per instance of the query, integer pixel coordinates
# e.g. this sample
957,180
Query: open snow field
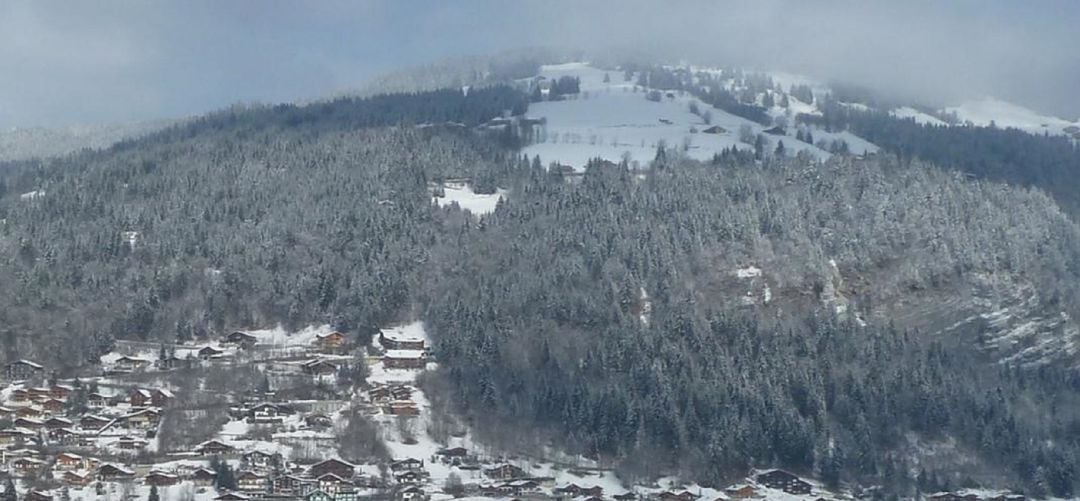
610,120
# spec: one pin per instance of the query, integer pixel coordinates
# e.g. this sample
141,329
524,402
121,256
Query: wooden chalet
574,491
412,493
404,359
241,339
30,411
61,391
409,477
21,370
39,393
129,443
161,479
12,436
76,479
407,464
65,436
140,397
203,477
626,496
131,364
677,496
208,353
392,342
53,406
505,472
144,419
741,491
6,412
331,341
257,459
214,447
787,482
27,465
68,461
320,368
36,495
232,496
336,466
249,481
96,401
57,422
93,422
402,408
29,423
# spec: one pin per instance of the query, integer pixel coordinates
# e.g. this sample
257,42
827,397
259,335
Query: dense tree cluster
539,318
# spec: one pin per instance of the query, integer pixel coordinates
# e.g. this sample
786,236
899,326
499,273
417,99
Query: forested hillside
247,217
612,310
700,318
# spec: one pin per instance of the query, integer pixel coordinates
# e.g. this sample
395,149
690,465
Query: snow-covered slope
613,119
1004,114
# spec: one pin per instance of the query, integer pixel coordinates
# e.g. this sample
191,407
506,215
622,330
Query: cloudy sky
64,62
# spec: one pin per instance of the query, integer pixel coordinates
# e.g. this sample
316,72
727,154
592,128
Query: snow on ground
914,114
748,272
182,491
610,120
278,337
1005,114
31,195
463,195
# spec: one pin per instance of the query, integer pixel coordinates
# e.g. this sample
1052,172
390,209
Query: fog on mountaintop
115,61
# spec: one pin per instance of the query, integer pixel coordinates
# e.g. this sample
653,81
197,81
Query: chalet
519,487
61,391
140,397
401,392
574,491
214,447
66,436
407,464
288,483
716,129
26,465
393,342
96,401
331,341
13,436
68,461
626,496
331,484
453,456
56,423
249,481
741,491
203,477
143,419
171,362
30,411
161,479
319,495
130,364
53,406
776,131
402,408
21,370
160,397
317,420
39,393
36,495
94,422
209,353
782,480
257,459
130,443
505,472
677,496
6,413
409,477
412,493
404,359
29,424
268,413
335,466
76,479
379,394
20,396
231,496
241,339
320,368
